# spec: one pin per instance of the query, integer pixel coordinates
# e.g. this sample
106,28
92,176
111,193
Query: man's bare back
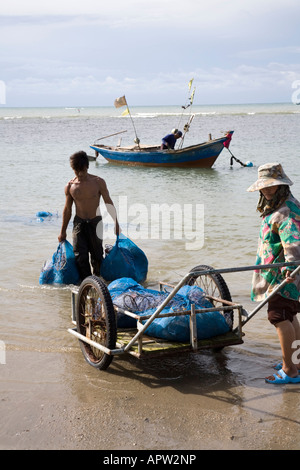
86,194
86,190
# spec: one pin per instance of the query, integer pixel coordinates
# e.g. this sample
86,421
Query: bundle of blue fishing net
125,259
129,295
61,268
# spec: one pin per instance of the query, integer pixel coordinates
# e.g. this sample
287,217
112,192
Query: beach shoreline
55,401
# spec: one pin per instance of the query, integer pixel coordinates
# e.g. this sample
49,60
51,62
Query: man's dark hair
79,161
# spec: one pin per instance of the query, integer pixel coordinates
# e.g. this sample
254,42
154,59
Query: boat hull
197,156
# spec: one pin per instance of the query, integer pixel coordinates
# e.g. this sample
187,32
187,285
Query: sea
179,217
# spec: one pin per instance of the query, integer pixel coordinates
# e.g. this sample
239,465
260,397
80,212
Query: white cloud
216,85
113,8
208,15
63,50
264,53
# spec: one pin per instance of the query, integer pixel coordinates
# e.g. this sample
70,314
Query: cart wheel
95,319
213,285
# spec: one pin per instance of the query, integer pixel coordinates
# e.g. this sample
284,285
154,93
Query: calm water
35,149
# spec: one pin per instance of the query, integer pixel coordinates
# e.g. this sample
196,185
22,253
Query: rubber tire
216,283
106,326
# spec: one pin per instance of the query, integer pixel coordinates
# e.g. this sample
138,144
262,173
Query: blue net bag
125,259
177,328
61,268
129,295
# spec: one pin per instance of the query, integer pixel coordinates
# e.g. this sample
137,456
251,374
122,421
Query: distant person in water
86,191
169,141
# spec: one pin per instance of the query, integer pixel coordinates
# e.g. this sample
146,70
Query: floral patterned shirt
279,242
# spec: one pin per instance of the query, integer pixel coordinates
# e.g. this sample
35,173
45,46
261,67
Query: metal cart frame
137,343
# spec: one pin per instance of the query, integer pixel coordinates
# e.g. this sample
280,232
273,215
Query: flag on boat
121,101
125,112
192,96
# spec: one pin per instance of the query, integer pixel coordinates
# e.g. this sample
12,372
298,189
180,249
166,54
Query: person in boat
279,241
86,190
169,141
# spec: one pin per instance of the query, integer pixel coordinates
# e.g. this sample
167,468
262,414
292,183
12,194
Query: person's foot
281,377
280,365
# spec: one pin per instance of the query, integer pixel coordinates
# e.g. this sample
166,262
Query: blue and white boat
201,155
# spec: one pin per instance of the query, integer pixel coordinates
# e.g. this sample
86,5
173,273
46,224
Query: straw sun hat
270,174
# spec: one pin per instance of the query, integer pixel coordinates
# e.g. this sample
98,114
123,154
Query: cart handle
245,268
254,268
278,288
192,274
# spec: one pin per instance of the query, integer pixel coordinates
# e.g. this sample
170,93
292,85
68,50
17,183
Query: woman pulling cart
279,241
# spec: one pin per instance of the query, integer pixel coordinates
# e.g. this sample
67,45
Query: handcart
94,315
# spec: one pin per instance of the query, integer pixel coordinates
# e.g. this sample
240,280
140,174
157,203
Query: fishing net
127,294
61,268
124,259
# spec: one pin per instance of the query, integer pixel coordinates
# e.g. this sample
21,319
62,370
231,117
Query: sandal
279,366
282,378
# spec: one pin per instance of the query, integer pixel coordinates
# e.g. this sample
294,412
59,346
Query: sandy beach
57,401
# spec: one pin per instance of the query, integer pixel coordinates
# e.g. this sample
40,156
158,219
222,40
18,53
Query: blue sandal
283,379
279,366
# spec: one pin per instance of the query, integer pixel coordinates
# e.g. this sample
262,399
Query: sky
66,53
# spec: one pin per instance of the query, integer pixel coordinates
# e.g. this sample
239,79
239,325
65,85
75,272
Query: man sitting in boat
169,141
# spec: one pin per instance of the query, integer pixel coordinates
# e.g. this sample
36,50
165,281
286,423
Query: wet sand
204,401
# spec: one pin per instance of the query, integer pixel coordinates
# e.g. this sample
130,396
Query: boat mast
136,140
189,104
119,102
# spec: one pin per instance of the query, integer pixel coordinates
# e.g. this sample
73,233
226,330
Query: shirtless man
86,190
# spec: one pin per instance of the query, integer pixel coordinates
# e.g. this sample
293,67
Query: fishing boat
202,155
